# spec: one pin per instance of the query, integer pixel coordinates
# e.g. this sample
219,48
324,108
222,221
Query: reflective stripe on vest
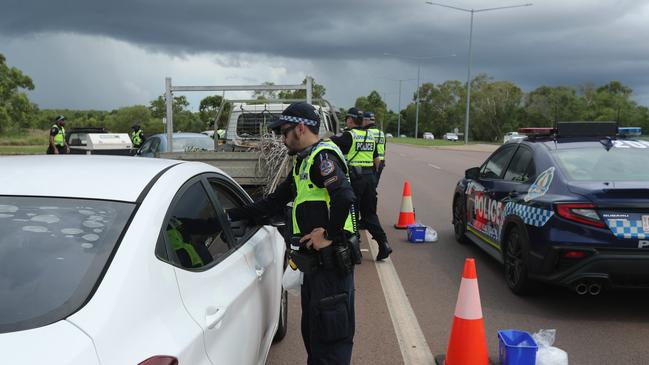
307,191
178,244
379,137
135,137
361,152
59,139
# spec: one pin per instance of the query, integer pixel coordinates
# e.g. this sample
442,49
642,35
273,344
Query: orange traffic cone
407,213
468,344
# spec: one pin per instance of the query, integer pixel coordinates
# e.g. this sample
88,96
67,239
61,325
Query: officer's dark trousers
62,150
365,189
328,323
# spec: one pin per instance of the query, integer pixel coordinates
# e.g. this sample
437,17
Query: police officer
137,136
369,122
58,144
322,227
360,151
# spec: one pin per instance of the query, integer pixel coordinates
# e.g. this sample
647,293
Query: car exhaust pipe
594,289
581,288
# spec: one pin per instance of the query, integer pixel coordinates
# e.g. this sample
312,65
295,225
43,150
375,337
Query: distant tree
121,120
318,92
265,94
16,111
375,104
547,105
209,108
495,106
158,107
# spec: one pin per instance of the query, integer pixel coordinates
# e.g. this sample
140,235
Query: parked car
133,261
97,141
512,136
568,207
450,137
428,135
182,142
388,135
403,136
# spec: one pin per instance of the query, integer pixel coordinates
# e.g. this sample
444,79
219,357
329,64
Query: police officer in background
137,136
370,124
322,228
359,147
58,144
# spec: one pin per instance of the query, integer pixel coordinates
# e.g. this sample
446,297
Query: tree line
496,108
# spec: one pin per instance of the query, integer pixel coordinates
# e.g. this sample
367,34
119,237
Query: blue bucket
516,348
416,233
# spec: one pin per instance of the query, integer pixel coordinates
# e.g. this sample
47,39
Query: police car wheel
282,326
459,220
515,258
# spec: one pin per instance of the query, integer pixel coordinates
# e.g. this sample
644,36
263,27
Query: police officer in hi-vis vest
359,147
322,230
58,145
137,136
370,124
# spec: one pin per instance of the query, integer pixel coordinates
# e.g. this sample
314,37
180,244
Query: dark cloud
343,42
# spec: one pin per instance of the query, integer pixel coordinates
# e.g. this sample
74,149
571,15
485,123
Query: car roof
120,178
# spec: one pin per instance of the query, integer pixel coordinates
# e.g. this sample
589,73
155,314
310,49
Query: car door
484,197
217,286
259,244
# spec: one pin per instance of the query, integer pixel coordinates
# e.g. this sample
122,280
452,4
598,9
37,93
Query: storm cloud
91,54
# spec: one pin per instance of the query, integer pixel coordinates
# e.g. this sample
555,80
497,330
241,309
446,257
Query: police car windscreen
202,143
625,161
52,252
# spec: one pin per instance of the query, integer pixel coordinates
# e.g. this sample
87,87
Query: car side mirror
472,173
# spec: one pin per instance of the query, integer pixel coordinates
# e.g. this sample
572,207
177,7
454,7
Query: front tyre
459,220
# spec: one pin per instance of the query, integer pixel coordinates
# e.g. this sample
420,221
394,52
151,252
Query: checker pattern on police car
625,228
530,215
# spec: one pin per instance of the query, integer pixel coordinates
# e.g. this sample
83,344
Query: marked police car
568,206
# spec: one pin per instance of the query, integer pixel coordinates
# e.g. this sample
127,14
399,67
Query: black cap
59,118
354,113
135,126
368,115
301,112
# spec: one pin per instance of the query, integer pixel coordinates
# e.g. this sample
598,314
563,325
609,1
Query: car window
155,145
494,167
193,231
521,168
228,198
52,253
192,144
146,147
78,139
620,163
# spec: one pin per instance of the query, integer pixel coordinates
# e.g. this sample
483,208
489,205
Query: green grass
29,142
22,150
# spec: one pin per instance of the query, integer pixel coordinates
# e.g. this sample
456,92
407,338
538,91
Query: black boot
384,251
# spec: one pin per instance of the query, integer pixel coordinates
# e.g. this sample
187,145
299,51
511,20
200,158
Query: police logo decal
326,167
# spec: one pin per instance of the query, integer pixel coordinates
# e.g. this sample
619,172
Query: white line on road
364,250
434,166
413,345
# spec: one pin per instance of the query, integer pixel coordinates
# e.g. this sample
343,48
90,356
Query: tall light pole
399,104
418,59
468,77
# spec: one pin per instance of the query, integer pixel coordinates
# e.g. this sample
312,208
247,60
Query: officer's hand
316,239
67,149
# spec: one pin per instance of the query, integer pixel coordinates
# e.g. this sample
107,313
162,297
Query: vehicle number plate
645,223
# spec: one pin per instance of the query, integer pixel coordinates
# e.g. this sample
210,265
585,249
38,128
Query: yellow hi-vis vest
379,137
59,139
309,191
135,137
178,243
361,152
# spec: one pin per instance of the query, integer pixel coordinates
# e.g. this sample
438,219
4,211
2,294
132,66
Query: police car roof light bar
587,129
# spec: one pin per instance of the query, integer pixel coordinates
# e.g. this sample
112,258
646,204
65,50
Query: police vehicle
566,205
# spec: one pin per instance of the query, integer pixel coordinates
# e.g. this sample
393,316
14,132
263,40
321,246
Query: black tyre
515,257
282,326
459,220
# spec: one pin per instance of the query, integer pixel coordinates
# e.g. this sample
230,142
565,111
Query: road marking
434,166
413,345
402,155
364,250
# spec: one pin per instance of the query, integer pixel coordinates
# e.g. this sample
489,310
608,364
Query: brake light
574,254
160,360
580,212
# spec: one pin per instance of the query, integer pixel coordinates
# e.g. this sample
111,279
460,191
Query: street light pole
468,77
399,112
417,105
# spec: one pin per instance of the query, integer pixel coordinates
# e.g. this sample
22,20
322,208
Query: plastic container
516,348
417,233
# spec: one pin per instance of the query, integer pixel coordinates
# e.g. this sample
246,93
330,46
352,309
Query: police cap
354,113
59,118
301,112
368,115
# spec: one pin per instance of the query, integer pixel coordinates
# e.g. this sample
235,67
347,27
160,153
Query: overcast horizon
84,55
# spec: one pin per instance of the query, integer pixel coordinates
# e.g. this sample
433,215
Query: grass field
425,142
30,142
22,150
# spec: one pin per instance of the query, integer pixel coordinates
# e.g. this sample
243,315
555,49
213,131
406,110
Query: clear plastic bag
431,235
548,354
292,281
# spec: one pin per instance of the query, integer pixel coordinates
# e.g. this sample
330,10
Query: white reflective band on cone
406,204
468,300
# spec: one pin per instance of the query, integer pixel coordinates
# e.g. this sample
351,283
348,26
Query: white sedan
121,260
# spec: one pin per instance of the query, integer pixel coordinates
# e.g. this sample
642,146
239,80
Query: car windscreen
625,161
192,144
52,253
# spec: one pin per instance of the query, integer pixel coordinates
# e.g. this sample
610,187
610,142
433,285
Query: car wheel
459,220
515,259
282,326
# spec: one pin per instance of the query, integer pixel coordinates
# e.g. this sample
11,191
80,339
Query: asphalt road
607,329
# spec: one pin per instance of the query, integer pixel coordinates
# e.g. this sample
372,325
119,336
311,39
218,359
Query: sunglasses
285,131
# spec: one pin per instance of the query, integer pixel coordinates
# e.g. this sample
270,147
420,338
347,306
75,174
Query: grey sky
103,55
